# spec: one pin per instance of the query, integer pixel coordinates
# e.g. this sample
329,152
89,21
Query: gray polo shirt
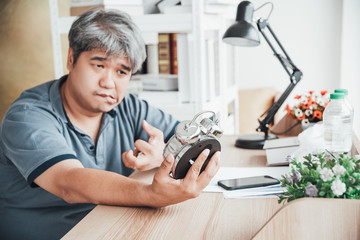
36,133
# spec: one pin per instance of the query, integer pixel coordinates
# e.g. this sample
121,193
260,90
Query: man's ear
70,60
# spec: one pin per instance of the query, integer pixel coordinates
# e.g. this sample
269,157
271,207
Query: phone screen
248,182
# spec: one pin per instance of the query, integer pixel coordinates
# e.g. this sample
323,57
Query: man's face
97,82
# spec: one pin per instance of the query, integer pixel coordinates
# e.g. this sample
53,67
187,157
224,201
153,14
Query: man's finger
166,165
210,171
195,169
129,159
152,131
143,146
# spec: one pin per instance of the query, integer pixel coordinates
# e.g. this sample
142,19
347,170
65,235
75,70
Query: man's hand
147,155
166,190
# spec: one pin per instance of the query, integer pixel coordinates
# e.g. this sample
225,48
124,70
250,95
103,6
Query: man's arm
72,182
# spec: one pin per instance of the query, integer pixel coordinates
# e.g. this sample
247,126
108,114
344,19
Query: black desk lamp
243,33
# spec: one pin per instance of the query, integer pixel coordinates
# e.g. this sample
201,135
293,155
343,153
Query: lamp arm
264,123
295,76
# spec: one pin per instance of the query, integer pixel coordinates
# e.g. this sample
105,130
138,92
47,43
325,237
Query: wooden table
209,216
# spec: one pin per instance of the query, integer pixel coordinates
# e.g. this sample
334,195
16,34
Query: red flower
323,92
288,109
306,105
297,97
301,118
317,114
311,92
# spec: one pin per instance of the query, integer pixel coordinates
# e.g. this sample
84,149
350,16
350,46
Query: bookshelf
204,81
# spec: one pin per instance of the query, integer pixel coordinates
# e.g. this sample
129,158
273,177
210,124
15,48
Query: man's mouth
108,97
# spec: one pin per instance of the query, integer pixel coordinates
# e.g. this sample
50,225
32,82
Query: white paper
231,172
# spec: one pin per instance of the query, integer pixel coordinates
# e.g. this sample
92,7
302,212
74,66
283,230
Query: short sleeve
33,140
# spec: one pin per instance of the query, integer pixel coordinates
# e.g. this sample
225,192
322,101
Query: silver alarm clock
190,139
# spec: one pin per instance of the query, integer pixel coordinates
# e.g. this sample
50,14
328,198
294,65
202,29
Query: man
70,144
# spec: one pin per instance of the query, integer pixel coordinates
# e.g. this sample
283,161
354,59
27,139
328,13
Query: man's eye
121,72
100,66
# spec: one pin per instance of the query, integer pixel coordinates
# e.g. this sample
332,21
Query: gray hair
110,30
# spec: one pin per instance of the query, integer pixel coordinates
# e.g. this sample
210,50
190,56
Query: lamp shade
242,32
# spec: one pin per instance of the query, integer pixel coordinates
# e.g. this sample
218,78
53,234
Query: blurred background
322,38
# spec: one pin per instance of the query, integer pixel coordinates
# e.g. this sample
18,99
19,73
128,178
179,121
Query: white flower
315,159
304,99
326,174
321,102
338,170
298,113
316,96
308,112
305,122
338,187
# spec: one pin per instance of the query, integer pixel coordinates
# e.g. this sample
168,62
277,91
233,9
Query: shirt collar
55,98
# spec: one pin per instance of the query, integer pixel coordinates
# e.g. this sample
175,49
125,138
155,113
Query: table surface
209,216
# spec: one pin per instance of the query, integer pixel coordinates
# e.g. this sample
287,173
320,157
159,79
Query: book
278,150
173,56
164,54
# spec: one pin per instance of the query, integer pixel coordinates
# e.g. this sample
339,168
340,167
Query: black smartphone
248,182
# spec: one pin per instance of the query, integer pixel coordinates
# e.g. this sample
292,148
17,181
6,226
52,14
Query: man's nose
107,80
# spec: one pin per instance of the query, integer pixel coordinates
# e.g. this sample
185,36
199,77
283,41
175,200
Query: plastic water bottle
337,125
346,98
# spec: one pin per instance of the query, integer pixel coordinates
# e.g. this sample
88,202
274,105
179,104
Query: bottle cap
341,90
337,96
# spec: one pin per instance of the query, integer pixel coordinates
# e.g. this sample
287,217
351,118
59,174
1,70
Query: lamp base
253,141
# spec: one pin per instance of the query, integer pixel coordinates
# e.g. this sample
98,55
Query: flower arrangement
322,175
308,107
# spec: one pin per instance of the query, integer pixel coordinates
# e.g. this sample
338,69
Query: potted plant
323,176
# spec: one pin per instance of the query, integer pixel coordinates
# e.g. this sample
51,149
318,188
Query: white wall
350,56
318,37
